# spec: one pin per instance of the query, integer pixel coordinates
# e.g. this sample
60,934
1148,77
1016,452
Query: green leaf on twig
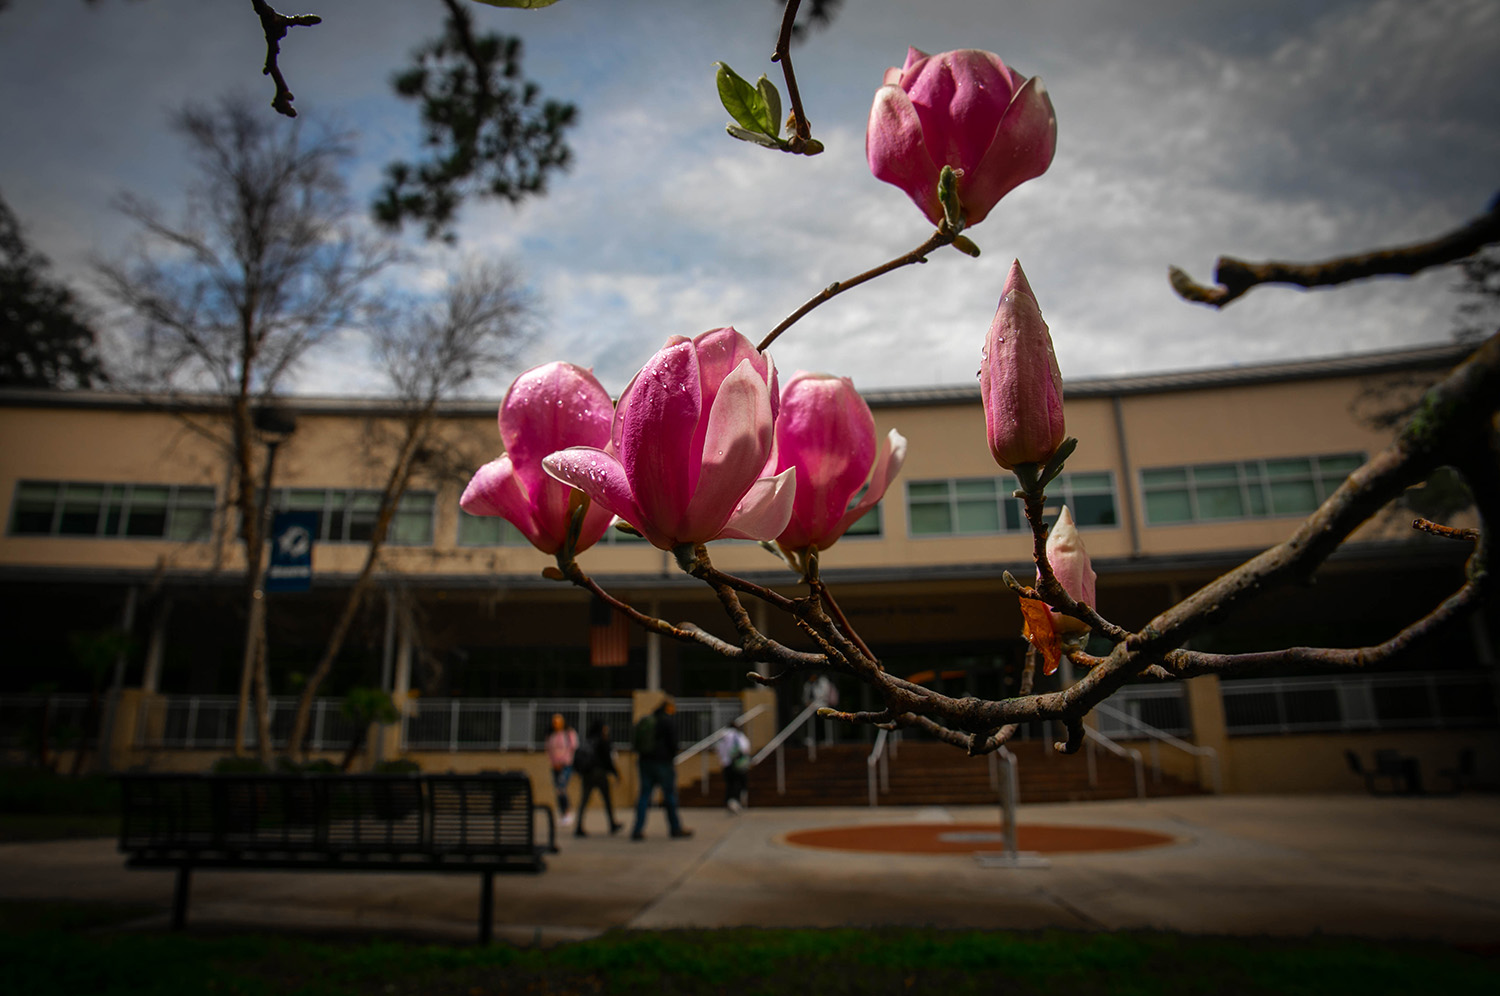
1055,465
748,104
753,136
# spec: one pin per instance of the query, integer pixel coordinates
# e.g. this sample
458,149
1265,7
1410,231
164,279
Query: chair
1462,773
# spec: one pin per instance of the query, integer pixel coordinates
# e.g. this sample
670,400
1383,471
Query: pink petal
600,476
655,427
826,432
738,438
495,490
892,456
549,408
1024,144
897,151
763,513
960,98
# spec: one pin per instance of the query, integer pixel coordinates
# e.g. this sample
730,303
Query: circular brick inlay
964,838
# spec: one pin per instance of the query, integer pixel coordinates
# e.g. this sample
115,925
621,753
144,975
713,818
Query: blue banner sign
291,551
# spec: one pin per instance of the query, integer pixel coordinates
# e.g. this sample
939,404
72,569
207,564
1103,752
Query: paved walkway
1296,865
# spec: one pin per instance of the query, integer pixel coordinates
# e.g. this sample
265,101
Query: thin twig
937,240
274,24
1447,532
800,129
1235,276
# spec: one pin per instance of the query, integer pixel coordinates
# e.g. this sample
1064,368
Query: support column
1205,705
653,652
104,752
400,688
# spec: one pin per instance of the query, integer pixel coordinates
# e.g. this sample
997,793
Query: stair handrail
774,746
1156,734
718,734
1093,736
878,759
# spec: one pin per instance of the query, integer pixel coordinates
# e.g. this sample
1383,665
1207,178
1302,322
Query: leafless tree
262,265
428,353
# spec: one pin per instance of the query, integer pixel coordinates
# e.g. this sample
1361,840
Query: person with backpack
734,760
594,760
655,742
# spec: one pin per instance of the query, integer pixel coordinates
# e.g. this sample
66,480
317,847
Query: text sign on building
291,551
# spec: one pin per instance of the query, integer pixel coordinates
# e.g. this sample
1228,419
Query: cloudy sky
1280,129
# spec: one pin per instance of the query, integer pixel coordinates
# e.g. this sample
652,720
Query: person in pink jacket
561,744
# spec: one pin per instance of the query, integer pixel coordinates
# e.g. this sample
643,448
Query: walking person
734,760
655,744
561,744
595,762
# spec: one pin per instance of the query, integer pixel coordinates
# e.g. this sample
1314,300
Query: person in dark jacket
595,762
657,769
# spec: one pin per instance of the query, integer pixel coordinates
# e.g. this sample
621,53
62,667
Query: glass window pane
1288,468
364,501
1163,476
1088,482
1094,510
1343,465
927,489
478,530
978,516
1220,503
81,507
975,487
1168,506
411,528
1293,497
1256,493
931,519
1216,473
1013,515
867,524
191,524
306,499
32,515
418,501
148,512
511,536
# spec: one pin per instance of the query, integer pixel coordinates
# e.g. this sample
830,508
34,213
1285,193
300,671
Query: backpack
644,737
583,758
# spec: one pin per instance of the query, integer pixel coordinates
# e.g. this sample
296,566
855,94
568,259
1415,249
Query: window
868,524
1248,489
347,516
491,530
141,511
978,506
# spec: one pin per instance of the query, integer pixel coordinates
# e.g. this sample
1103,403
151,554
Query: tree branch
274,24
1236,276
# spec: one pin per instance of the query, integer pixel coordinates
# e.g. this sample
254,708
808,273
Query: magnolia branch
937,240
800,129
275,24
1236,276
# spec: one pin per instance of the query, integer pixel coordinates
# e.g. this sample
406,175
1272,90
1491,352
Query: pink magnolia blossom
1071,567
548,408
692,436
1019,382
964,109
826,434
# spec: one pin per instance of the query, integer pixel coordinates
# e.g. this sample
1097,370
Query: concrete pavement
1426,868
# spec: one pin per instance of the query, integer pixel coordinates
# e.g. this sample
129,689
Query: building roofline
1432,357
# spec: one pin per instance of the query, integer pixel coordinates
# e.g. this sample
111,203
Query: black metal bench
480,824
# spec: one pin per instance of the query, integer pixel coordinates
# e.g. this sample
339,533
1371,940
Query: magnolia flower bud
1070,565
1019,382
966,110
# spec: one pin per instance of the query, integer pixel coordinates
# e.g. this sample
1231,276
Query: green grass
59,948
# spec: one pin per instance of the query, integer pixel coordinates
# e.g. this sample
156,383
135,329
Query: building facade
120,516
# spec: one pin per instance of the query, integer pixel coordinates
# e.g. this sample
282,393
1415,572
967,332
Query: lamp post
275,426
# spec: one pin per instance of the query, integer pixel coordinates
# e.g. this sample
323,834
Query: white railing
21,720
1092,737
206,722
455,724
1138,728
1162,707
878,764
774,747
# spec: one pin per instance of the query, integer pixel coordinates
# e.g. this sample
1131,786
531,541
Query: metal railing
700,749
1136,727
878,764
455,724
775,744
1162,707
206,722
1092,737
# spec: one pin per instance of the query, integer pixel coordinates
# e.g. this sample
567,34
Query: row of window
967,506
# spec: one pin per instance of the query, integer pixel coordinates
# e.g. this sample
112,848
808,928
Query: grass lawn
73,949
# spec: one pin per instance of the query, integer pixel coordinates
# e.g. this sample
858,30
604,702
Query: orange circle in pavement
965,838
